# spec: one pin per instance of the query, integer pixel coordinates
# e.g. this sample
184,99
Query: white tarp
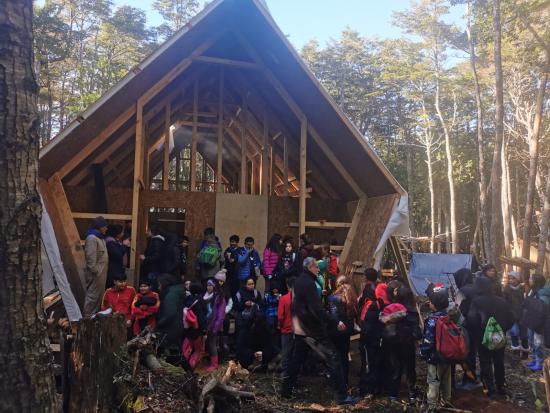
398,225
53,273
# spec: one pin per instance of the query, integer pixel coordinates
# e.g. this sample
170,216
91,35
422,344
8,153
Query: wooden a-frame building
222,126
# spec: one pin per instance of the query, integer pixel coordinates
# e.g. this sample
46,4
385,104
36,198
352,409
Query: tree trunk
533,166
543,236
496,170
484,221
432,197
507,230
409,162
26,375
455,247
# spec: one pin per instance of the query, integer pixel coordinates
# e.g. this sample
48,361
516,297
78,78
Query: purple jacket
215,324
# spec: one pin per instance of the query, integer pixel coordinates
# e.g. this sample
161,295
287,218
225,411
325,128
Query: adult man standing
97,261
312,325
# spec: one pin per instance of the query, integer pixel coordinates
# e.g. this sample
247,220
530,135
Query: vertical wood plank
219,168
285,166
138,175
166,158
265,156
303,175
193,172
244,166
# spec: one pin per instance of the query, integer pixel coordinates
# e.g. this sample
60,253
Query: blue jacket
427,347
247,263
271,305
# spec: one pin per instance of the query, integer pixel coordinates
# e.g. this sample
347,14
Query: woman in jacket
342,307
117,251
288,266
215,304
272,253
249,306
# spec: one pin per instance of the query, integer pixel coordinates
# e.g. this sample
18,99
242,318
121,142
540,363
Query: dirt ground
167,393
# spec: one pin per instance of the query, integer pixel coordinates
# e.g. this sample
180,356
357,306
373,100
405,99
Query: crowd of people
308,312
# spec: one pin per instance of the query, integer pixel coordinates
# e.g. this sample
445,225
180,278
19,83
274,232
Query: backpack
494,338
209,255
451,340
533,316
190,319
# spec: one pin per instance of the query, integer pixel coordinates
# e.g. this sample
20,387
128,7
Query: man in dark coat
486,305
312,325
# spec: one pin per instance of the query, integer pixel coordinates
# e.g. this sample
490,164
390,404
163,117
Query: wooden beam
265,156
68,238
303,176
285,167
323,224
353,230
193,172
92,215
95,143
228,62
244,165
219,166
138,175
166,151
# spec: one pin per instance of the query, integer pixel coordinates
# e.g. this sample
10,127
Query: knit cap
221,275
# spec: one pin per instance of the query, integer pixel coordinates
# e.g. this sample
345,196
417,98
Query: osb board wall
243,215
372,224
284,210
200,213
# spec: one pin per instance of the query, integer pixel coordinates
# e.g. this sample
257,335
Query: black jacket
154,254
170,316
116,252
339,312
487,305
308,308
466,289
515,298
199,309
242,296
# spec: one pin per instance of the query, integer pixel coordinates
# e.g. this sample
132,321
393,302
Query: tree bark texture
26,374
533,166
506,221
94,363
543,235
496,170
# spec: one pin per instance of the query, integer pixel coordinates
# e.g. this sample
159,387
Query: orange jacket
140,312
119,301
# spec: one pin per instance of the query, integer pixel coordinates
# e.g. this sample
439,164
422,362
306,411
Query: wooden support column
66,233
271,175
265,157
166,152
244,166
138,182
285,167
303,175
220,133
193,172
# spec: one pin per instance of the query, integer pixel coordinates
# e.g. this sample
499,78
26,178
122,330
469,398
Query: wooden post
285,167
244,166
219,170
138,176
193,172
265,157
271,175
303,175
166,153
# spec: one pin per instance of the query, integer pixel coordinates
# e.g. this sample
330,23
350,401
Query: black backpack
534,314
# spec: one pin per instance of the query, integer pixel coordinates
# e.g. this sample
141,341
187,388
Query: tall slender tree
26,375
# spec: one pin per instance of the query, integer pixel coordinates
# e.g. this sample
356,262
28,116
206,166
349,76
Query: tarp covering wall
398,225
436,268
53,273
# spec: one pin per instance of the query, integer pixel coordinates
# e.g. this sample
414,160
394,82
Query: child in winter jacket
144,308
285,324
215,310
271,300
119,298
439,371
194,325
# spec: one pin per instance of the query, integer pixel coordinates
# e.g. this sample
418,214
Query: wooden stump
93,363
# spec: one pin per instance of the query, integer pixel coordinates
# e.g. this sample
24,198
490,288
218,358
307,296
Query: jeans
518,333
342,342
439,381
371,381
324,348
287,343
402,359
489,361
536,342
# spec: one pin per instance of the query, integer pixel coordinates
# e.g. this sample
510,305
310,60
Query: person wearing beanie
97,264
215,305
514,295
221,275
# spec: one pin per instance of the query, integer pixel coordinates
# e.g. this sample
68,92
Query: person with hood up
215,310
486,305
97,263
372,301
312,328
514,294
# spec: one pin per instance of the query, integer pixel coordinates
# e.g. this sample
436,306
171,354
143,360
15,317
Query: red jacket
148,312
119,301
283,314
333,265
